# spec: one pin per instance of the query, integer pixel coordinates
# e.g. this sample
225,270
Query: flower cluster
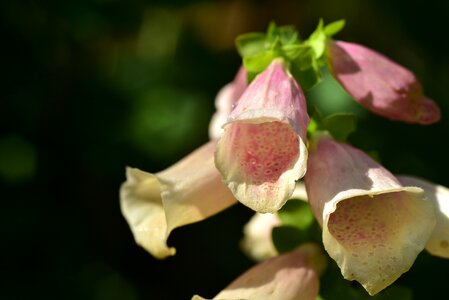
374,224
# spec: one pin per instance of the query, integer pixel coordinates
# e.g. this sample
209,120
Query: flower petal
257,242
381,85
439,195
291,276
187,192
225,102
372,226
262,151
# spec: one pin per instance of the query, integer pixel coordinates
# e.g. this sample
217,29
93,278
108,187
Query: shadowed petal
262,151
225,101
187,192
257,242
291,276
373,227
438,243
381,85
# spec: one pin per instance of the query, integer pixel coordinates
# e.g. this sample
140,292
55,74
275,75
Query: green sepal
288,35
317,40
255,64
307,78
251,43
334,27
296,52
339,125
281,36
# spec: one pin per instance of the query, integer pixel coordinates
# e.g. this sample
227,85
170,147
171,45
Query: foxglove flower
291,276
257,242
380,85
187,192
224,102
373,227
438,243
262,151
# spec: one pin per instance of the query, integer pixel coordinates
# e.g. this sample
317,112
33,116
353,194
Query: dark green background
89,87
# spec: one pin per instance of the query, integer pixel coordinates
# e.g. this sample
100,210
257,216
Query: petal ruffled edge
438,243
189,191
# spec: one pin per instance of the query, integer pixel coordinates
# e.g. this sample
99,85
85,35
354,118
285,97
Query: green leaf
288,35
334,27
287,238
251,43
257,63
317,40
300,53
307,78
272,32
296,213
340,125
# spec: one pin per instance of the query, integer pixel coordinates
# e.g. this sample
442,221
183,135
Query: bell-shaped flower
373,227
290,276
380,85
189,191
438,243
257,242
262,151
224,102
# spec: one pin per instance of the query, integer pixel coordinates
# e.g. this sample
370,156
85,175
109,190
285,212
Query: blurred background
89,87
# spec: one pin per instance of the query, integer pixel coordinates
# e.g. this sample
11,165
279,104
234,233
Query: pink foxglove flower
291,276
187,192
224,102
373,227
262,151
438,243
381,85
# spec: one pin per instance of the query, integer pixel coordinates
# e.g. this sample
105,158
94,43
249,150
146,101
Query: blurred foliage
91,86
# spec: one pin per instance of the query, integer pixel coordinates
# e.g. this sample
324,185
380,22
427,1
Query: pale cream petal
290,276
187,192
257,242
438,243
373,227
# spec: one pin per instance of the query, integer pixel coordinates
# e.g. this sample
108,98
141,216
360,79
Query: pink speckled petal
262,151
381,85
291,276
226,99
187,192
373,227
438,243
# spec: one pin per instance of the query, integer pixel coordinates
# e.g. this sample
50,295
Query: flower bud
381,85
